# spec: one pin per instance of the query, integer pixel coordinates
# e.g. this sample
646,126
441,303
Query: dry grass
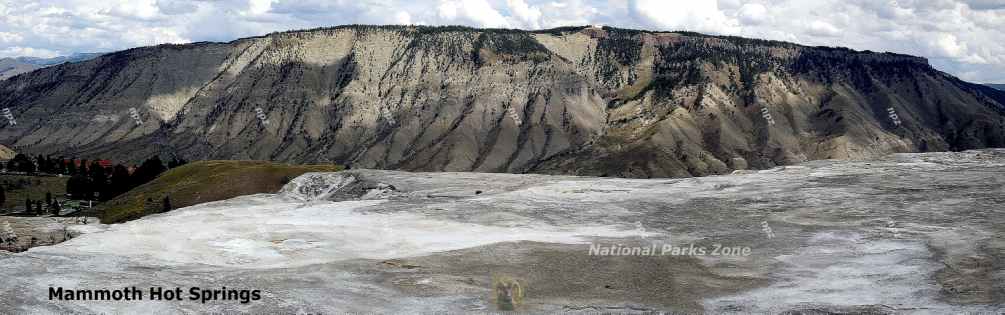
204,181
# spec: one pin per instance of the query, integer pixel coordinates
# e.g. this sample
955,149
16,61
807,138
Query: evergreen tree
120,182
148,171
61,165
78,187
48,198
3,196
98,177
71,167
38,208
21,163
46,165
83,167
95,170
39,163
27,206
176,162
166,204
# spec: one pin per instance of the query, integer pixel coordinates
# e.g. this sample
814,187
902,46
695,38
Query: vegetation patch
17,188
203,181
513,47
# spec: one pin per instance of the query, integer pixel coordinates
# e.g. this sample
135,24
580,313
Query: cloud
11,38
962,37
528,16
174,7
947,45
27,51
403,18
258,7
471,12
821,28
702,16
753,14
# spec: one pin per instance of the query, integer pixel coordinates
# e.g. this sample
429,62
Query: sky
962,37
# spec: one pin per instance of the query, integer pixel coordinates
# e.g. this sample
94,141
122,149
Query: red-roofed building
104,163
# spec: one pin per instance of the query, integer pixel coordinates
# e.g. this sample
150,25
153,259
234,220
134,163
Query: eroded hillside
575,100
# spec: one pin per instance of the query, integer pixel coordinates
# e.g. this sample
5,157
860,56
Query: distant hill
10,67
997,86
204,181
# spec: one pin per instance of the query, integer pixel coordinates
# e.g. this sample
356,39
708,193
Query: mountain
1000,87
10,67
572,100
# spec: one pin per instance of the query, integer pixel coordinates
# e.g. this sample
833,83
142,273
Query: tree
38,208
83,167
71,167
166,204
78,187
148,171
48,198
27,206
3,196
119,183
61,165
176,162
98,177
41,163
21,163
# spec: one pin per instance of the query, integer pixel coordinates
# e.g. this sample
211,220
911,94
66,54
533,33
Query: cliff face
584,101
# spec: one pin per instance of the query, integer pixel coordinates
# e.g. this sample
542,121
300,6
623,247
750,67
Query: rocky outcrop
576,100
6,153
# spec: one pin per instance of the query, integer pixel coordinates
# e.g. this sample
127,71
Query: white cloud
946,45
27,51
821,28
403,18
472,12
528,16
753,13
258,7
703,16
10,38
